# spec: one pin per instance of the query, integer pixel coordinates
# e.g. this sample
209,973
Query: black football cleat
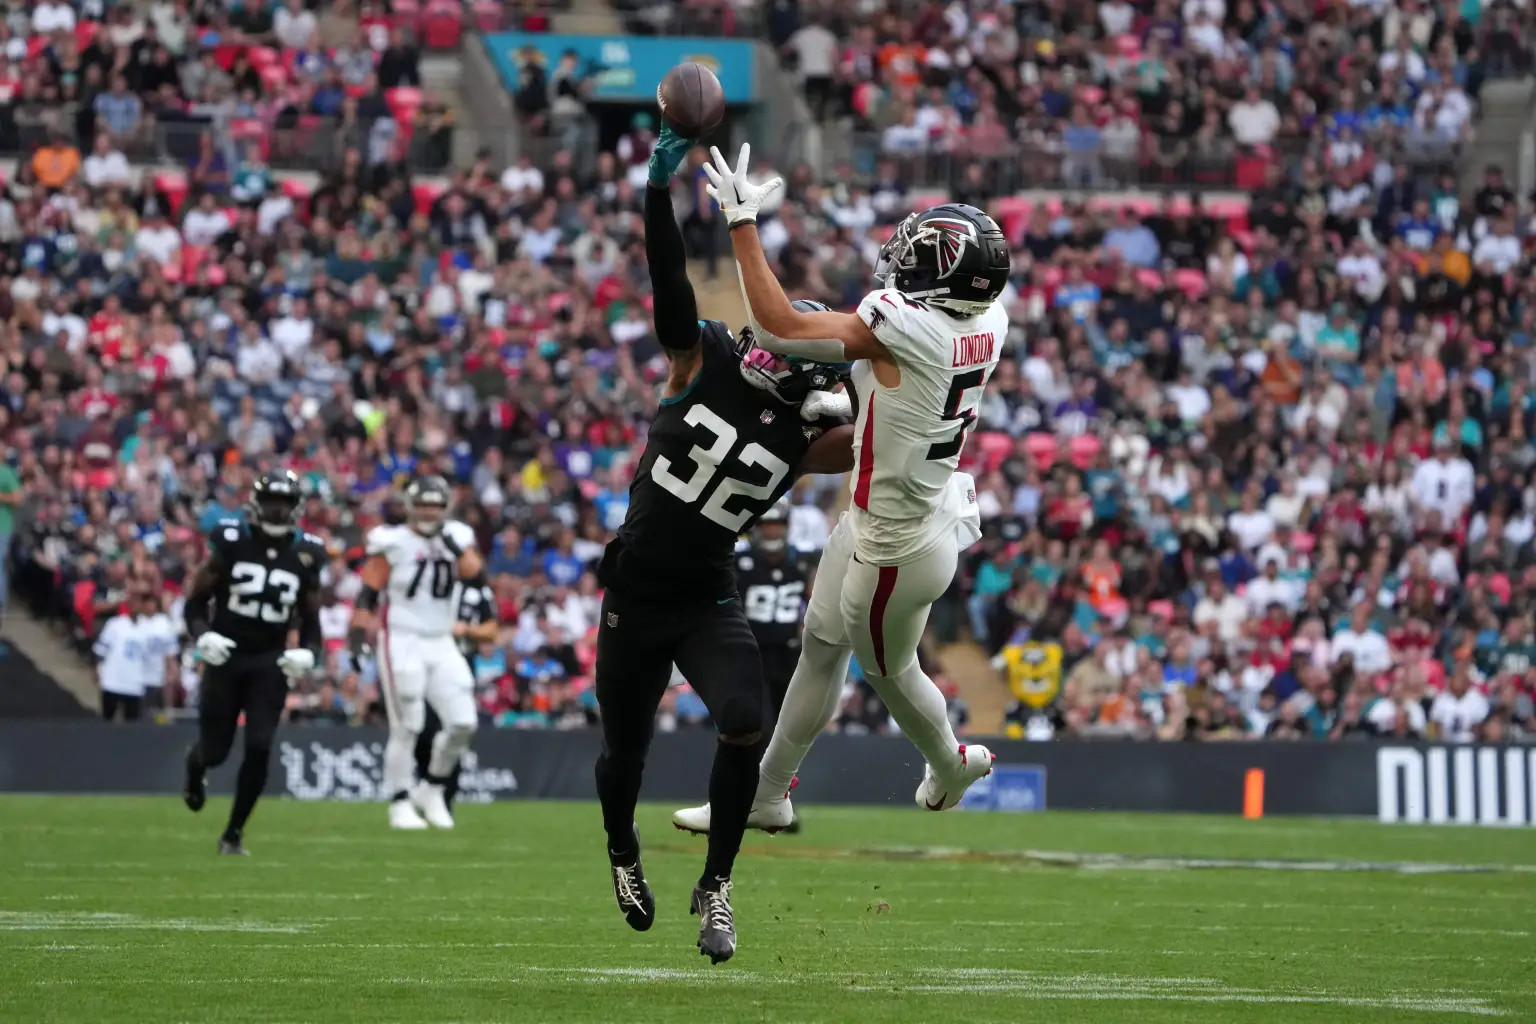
717,928
630,889
194,787
230,845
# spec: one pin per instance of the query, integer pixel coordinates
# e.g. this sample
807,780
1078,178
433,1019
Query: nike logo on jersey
973,348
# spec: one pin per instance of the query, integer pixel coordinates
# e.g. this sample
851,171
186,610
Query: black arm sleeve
309,623
675,310
200,589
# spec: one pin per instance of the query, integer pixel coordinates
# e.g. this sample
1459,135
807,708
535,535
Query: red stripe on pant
883,587
866,456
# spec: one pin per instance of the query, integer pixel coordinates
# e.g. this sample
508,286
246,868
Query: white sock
919,708
812,697
399,761
447,747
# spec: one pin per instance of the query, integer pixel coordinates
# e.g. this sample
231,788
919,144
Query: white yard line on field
28,921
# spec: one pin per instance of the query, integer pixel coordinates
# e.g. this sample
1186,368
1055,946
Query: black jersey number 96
707,464
257,592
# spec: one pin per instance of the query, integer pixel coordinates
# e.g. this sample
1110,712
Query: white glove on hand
826,403
739,199
297,662
215,648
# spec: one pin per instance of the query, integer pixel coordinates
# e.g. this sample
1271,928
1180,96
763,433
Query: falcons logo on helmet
950,237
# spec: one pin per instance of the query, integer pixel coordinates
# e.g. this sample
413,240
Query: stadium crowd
1248,469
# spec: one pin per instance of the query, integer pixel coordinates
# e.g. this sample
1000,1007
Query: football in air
691,100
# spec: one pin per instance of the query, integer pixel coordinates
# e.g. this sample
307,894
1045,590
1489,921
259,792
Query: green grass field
117,910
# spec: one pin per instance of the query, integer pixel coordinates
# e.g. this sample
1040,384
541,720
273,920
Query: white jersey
123,649
907,440
422,594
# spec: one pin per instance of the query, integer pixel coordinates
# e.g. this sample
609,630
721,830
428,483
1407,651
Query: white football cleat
692,819
766,816
403,816
427,797
772,815
940,793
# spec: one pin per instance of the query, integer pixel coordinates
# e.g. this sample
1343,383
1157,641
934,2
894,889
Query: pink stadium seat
425,193
1042,447
994,447
262,57
1151,278
1084,449
1191,282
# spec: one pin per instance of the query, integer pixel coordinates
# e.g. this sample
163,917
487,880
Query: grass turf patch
117,909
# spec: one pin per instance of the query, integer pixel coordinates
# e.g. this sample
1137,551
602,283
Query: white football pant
415,670
878,613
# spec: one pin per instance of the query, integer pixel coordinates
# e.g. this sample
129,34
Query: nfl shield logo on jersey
613,620
767,416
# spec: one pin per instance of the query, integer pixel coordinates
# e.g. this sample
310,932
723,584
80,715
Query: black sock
618,790
451,786
248,786
732,784
195,763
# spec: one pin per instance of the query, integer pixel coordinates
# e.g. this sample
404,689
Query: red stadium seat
403,102
425,193
173,185
442,27
225,53
85,33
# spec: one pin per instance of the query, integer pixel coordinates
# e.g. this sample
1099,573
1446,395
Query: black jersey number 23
259,592
707,465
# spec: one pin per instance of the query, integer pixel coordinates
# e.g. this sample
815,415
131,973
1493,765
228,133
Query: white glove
297,662
215,648
826,403
739,199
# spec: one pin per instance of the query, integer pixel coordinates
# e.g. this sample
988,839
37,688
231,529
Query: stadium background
1255,464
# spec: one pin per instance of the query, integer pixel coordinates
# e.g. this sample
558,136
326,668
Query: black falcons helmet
426,503
952,257
787,378
275,500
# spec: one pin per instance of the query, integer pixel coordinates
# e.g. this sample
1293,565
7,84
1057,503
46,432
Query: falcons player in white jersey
924,347
411,585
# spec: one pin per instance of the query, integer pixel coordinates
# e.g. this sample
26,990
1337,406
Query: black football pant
432,727
713,646
252,685
111,703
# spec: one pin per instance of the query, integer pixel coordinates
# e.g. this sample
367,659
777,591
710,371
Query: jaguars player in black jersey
260,582
773,581
477,623
727,441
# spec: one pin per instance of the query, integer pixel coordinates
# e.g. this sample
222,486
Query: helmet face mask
274,505
426,505
953,257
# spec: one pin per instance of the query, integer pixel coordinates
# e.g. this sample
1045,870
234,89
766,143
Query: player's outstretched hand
739,199
296,662
668,153
215,648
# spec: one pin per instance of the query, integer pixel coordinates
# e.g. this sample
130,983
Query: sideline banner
627,69
1420,783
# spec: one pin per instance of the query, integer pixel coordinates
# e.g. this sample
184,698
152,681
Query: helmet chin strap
773,546
428,529
275,529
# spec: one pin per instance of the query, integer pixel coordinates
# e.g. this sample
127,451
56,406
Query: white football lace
720,908
624,881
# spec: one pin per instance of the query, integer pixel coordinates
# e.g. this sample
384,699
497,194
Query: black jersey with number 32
263,583
717,457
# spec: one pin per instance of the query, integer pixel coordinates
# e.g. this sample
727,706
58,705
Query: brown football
691,100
